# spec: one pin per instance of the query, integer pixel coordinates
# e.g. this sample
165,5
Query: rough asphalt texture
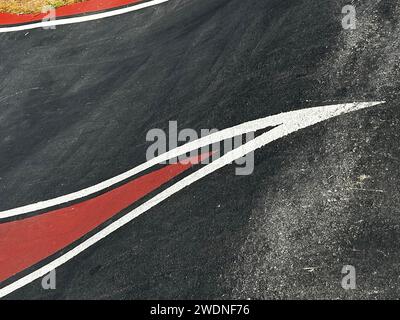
76,104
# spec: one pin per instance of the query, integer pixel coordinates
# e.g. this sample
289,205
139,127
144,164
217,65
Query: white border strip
229,133
92,17
294,121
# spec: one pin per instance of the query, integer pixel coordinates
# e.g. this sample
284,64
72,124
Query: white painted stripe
92,17
241,129
289,122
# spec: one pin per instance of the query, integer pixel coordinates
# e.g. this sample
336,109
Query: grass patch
31,6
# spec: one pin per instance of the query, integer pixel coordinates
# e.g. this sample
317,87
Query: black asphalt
76,104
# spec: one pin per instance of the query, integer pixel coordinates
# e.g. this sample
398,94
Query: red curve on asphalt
26,242
69,10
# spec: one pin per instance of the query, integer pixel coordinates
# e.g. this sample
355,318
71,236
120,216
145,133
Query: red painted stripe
65,11
27,242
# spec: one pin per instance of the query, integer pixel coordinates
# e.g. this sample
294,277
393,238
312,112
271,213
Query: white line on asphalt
288,123
238,130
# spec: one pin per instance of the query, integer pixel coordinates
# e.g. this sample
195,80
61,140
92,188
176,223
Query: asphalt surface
76,104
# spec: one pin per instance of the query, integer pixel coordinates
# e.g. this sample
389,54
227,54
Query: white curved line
241,129
295,120
92,17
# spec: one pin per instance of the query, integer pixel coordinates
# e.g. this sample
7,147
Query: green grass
31,6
